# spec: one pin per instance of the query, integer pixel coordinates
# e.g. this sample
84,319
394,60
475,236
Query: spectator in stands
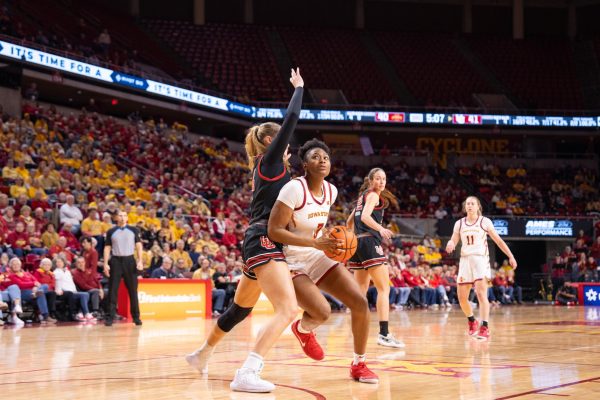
416,294
165,234
230,239
87,280
567,295
90,254
65,283
72,241
438,283
180,253
49,236
502,287
399,291
35,241
165,269
70,213
44,275
19,240
218,295
92,227
18,188
12,294
31,289
517,293
155,260
180,269
60,248
218,226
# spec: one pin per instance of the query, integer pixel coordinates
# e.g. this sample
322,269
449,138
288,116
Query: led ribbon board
52,61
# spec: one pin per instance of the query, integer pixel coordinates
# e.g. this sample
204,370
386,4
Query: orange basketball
348,247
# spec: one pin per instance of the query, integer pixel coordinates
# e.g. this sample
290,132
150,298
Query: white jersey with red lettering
473,236
309,218
474,253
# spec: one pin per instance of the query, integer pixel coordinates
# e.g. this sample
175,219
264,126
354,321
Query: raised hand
296,79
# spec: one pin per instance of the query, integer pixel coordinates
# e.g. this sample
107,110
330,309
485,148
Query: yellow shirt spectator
131,193
184,255
149,221
213,247
33,190
9,173
206,275
143,194
23,173
177,232
17,190
92,227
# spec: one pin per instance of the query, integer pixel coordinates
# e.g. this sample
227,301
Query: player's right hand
296,79
327,243
385,233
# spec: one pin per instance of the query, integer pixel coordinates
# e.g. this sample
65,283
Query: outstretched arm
503,246
276,150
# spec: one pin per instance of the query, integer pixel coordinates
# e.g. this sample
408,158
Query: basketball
348,247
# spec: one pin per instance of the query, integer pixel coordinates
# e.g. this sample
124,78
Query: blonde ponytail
255,144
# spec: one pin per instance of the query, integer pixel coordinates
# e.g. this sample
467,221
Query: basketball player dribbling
298,217
369,262
474,266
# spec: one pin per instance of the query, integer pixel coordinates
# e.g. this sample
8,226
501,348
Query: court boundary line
512,396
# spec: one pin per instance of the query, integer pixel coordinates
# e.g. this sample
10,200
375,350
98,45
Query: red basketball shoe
484,333
308,342
361,373
473,328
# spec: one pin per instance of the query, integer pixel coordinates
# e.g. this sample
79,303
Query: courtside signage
52,61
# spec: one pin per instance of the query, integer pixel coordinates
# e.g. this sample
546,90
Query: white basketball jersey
310,213
474,236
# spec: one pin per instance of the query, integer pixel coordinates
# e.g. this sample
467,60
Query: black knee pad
232,316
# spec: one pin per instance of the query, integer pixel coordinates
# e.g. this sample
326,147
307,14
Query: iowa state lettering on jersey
318,214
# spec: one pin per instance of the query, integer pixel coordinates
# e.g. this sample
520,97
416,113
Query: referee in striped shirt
121,243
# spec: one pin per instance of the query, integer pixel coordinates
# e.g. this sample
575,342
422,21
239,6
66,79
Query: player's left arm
502,244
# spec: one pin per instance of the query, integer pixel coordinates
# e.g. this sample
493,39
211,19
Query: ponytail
388,197
254,147
254,143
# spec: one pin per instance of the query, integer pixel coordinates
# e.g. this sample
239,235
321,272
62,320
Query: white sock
300,329
253,362
358,358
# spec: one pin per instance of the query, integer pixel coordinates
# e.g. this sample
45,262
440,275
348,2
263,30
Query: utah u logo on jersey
266,243
379,250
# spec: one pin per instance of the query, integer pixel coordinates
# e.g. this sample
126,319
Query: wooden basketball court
536,352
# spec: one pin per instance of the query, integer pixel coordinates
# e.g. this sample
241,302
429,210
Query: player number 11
470,239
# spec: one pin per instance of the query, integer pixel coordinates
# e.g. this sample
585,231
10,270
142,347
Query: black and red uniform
369,252
268,177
